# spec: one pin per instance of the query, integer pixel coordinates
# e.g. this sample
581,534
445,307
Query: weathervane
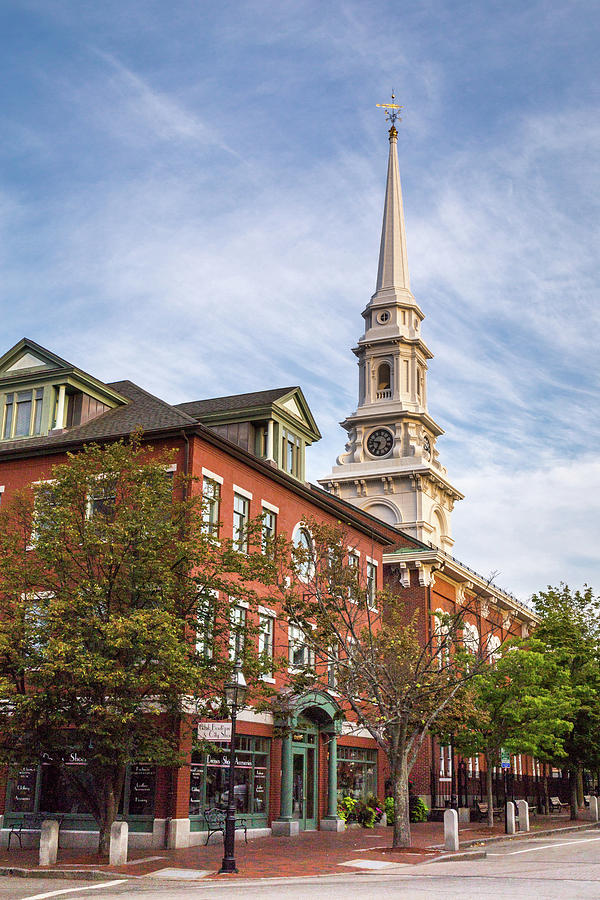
392,113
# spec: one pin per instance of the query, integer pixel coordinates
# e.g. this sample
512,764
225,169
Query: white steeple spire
392,274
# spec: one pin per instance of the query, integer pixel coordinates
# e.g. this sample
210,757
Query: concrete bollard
464,815
48,842
593,810
523,807
451,829
119,835
510,818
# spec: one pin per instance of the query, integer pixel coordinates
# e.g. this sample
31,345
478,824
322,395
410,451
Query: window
241,509
334,653
471,638
23,413
205,629
304,557
371,583
102,499
237,633
356,772
301,656
268,528
211,506
493,648
291,453
209,782
266,635
446,761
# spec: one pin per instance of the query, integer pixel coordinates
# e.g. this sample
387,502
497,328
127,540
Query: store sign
505,759
214,731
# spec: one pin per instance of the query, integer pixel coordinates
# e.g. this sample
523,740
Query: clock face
380,442
426,445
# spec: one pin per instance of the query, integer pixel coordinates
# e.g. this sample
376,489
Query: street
565,866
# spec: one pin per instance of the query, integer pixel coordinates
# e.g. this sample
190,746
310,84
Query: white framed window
102,498
493,648
471,637
371,582
268,527
266,641
301,656
302,540
241,514
22,413
205,629
237,632
211,505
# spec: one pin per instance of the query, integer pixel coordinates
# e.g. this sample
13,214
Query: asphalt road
565,867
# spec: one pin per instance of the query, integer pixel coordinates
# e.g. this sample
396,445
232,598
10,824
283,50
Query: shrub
364,813
417,809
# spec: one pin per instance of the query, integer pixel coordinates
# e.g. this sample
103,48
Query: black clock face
380,442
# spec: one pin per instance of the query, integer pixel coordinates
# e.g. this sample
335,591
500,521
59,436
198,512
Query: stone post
451,830
593,810
119,835
464,815
523,808
285,825
331,822
49,842
510,818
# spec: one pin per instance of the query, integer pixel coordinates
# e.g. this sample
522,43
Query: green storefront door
304,784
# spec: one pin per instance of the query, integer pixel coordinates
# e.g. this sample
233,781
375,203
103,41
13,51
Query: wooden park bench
482,810
556,805
30,822
215,821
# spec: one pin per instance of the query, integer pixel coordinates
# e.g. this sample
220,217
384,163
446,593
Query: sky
191,196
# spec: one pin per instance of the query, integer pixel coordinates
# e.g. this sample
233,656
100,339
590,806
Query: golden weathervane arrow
392,111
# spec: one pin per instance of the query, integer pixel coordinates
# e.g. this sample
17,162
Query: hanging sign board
214,731
505,759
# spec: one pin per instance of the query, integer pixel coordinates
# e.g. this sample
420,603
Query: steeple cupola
390,466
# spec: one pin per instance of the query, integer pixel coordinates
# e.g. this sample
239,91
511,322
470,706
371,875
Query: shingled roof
200,408
143,411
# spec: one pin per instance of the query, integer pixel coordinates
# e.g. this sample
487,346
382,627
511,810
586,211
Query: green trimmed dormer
41,393
275,425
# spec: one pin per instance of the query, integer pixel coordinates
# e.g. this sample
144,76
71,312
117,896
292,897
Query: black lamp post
235,694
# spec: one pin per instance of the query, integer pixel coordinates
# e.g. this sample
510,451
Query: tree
569,630
111,588
394,673
521,703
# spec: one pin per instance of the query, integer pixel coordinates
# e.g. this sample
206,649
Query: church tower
391,466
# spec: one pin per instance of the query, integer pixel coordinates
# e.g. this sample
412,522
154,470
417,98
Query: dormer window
22,413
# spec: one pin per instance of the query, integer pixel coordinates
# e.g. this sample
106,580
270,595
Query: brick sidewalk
310,853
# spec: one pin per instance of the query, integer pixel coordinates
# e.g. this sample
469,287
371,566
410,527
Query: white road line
547,847
89,887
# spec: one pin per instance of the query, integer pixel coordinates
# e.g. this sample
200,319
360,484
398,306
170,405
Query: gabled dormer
41,393
275,425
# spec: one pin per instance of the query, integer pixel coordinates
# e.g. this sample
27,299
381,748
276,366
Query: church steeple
392,274
391,466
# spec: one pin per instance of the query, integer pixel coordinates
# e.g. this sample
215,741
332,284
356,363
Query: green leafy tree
115,618
394,673
521,702
569,630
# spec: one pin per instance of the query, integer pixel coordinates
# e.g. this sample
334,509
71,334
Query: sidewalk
310,853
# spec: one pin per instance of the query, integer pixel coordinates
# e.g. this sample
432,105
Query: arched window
471,637
383,377
493,648
303,543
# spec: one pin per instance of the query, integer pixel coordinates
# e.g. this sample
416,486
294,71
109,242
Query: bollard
523,808
593,811
451,829
119,835
48,842
464,815
510,818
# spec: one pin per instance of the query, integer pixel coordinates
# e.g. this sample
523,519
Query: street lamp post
235,694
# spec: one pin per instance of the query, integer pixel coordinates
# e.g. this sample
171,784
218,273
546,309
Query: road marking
370,864
90,887
547,847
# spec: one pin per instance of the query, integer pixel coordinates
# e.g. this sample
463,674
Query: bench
482,810
215,821
556,805
30,822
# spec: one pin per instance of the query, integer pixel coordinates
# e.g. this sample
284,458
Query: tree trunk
489,790
110,792
573,786
546,794
401,806
579,787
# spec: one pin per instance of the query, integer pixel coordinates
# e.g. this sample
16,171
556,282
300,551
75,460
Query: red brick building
248,452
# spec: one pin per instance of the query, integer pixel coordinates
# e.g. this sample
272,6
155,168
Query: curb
528,835
452,857
65,874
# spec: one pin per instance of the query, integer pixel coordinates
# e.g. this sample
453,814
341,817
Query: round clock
380,442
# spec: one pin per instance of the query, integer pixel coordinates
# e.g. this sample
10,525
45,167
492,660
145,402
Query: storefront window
357,772
209,782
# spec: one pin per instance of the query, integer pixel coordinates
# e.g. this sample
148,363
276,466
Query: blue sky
191,197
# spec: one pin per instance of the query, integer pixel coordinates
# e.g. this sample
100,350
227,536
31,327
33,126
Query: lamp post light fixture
235,693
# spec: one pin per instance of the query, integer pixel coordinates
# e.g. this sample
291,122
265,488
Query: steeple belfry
391,466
